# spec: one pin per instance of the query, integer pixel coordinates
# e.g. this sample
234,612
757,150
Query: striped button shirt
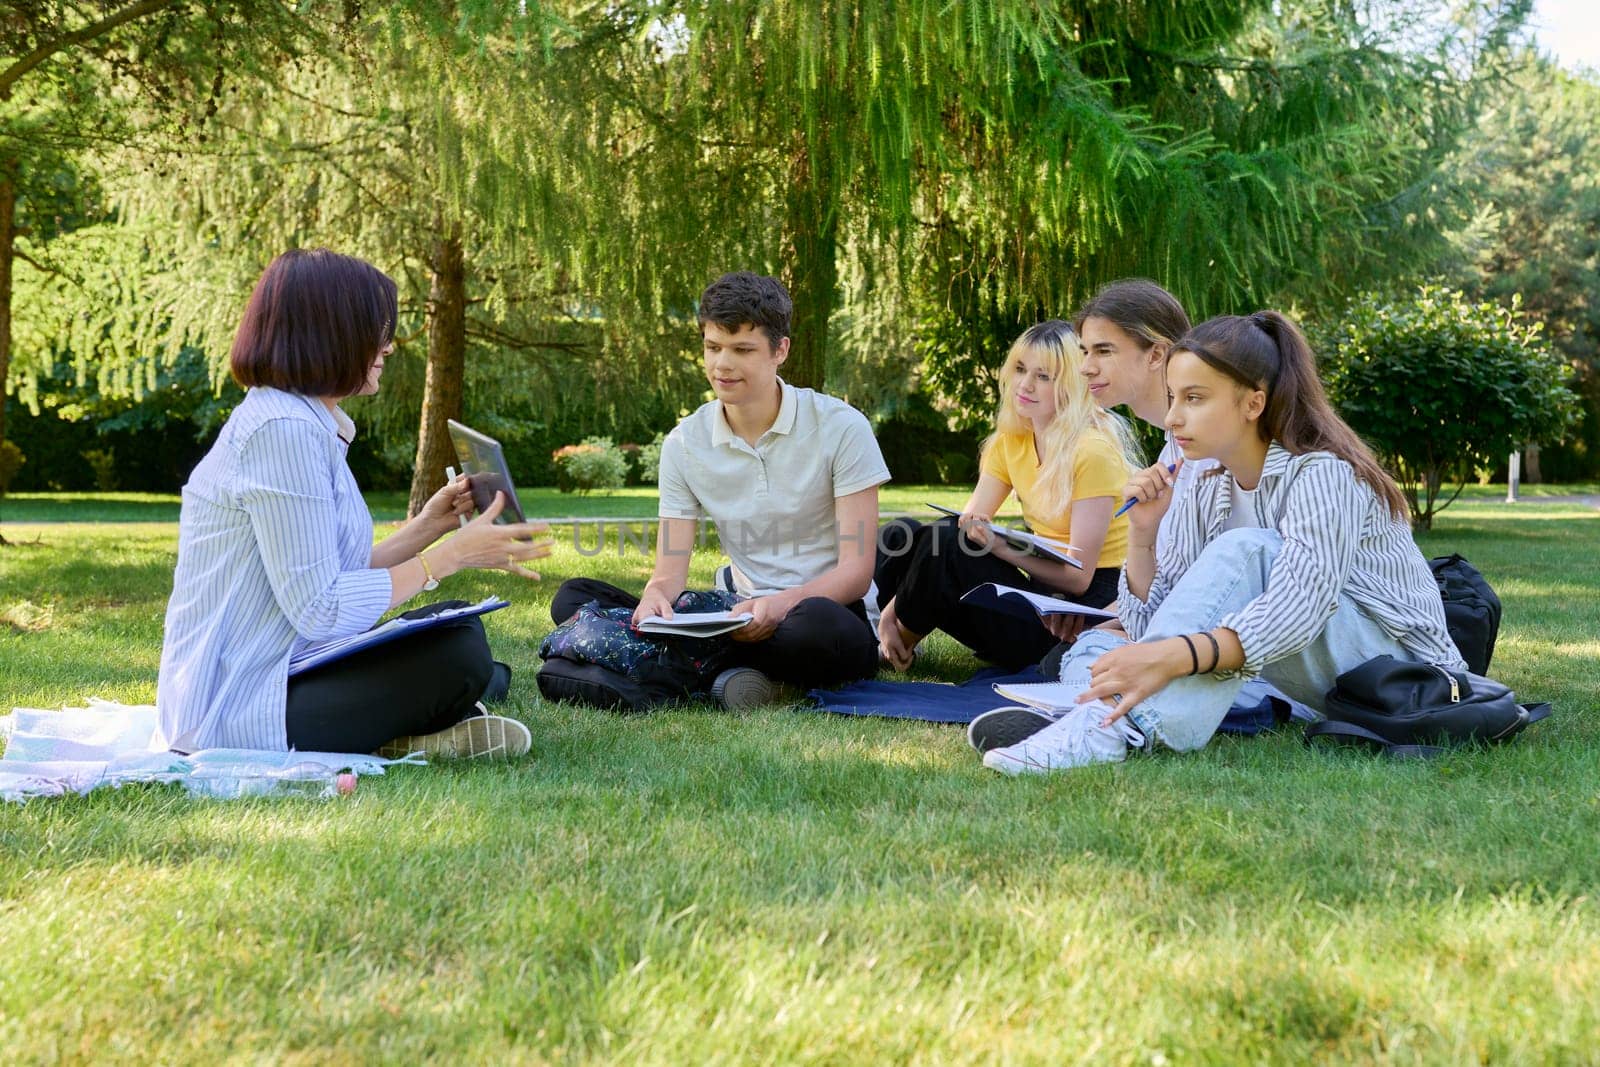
1338,537
274,553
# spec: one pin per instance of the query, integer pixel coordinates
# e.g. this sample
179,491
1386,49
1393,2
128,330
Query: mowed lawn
787,887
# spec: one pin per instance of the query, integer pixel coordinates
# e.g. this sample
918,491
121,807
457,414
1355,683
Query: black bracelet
1194,657
1216,651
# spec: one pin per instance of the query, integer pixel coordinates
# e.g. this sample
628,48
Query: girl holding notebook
1066,461
1126,329
1291,559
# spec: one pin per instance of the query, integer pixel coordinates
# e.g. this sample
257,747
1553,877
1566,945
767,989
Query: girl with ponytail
1291,559
1127,330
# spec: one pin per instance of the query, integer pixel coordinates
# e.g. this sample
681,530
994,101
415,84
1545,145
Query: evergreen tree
1532,169
75,77
1018,154
360,149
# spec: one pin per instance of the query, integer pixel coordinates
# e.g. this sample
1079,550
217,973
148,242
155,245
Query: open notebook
697,624
1027,605
1046,696
1024,541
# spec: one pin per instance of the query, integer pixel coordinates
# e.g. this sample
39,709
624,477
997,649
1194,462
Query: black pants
820,642
416,684
927,569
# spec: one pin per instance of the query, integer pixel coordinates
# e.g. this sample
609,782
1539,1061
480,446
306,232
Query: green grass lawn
546,501
693,887
390,506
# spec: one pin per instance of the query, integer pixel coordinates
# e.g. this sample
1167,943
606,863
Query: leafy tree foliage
1532,167
1439,385
349,149
75,77
1016,155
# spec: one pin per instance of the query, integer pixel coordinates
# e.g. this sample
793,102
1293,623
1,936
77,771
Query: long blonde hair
1057,344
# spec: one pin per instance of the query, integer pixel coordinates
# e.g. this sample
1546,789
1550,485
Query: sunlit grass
693,887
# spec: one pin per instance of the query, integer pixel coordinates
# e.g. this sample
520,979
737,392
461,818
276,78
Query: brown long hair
1267,351
1139,306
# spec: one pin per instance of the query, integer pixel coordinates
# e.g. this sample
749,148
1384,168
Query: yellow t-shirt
1097,470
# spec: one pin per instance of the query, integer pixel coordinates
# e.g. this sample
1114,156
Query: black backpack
591,685
1406,709
596,658
1471,610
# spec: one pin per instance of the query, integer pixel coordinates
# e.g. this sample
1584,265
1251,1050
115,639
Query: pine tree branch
287,90
139,10
42,268
505,339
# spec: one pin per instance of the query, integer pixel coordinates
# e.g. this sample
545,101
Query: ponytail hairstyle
1077,415
1139,306
1267,351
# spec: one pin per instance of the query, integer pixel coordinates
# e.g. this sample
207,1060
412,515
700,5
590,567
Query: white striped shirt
1191,470
1338,537
274,553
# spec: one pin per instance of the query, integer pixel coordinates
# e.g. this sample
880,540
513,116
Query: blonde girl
1066,460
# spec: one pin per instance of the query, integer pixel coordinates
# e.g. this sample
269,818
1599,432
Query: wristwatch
432,583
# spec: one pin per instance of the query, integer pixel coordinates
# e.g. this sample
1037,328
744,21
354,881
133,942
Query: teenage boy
790,478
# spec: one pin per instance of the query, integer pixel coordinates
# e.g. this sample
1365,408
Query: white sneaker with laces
1009,725
1075,740
477,737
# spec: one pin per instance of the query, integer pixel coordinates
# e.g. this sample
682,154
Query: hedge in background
1439,385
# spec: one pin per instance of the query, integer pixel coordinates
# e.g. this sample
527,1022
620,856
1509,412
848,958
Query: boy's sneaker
1075,740
743,688
481,736
1004,727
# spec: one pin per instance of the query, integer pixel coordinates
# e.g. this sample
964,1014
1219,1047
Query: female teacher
275,551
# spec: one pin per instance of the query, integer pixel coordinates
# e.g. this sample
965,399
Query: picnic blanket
1259,708
74,750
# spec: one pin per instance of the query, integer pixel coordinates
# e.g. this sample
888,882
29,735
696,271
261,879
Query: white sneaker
1075,740
1010,725
481,736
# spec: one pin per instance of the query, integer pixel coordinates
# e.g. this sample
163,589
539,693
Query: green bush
11,461
103,461
595,463
1440,386
647,461
919,446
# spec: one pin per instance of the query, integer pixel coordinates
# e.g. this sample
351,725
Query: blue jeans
1229,573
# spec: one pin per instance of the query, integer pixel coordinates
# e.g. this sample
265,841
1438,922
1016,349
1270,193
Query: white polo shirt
773,503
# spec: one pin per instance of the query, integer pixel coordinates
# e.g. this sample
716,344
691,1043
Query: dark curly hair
742,297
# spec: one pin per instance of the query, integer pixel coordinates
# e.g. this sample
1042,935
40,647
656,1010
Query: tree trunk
447,351
8,236
812,221
1530,464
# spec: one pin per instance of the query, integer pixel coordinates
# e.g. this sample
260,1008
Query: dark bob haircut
315,324
742,298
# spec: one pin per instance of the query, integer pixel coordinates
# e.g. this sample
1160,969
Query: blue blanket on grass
942,702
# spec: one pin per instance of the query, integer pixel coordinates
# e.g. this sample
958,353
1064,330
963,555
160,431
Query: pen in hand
1131,501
